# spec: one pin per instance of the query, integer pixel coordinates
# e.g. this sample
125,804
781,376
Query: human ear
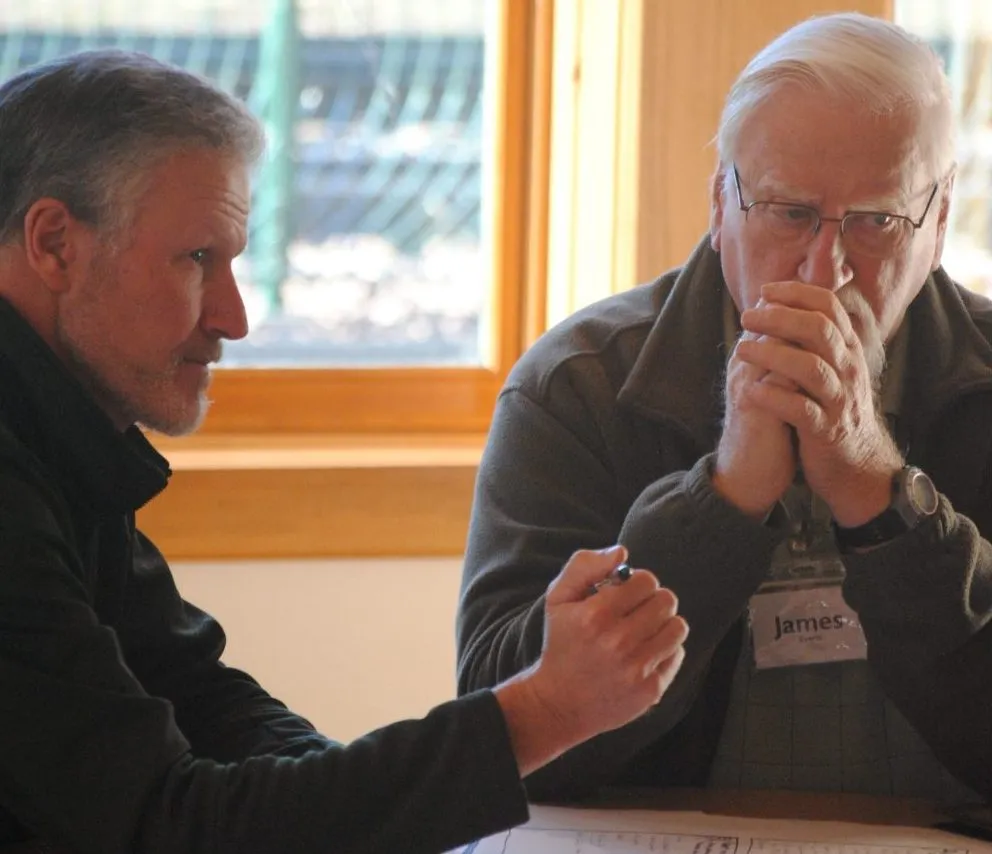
717,183
942,221
53,242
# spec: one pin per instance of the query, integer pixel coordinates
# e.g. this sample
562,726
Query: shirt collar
55,418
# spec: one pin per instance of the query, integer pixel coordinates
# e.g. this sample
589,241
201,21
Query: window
961,33
384,276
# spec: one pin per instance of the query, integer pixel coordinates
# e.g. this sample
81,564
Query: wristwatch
914,498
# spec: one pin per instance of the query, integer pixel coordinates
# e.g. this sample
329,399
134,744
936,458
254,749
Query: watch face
921,492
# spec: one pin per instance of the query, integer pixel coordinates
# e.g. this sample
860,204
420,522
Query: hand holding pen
612,642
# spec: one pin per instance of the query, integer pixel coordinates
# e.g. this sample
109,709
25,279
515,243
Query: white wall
350,645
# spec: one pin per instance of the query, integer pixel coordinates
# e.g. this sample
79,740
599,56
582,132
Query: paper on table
556,830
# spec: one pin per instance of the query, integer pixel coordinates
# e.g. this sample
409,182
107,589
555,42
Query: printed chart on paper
564,841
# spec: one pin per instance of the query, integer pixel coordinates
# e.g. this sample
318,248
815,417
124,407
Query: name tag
808,625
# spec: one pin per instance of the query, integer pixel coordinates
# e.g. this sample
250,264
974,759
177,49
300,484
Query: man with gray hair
794,432
124,198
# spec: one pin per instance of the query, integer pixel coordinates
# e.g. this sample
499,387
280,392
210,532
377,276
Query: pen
618,576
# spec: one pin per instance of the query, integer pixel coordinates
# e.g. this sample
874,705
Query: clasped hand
801,388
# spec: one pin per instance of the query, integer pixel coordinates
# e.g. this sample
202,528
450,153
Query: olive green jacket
605,431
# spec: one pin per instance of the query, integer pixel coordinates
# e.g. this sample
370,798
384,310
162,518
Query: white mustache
866,328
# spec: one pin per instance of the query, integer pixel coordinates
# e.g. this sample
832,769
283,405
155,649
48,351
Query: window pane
368,241
961,32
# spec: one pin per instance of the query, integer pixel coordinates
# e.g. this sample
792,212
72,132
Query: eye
798,214
792,214
878,223
199,256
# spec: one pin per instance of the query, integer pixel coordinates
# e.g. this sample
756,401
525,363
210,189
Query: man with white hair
794,432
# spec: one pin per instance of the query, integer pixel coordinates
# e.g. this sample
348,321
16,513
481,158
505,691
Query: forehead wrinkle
220,215
833,154
771,189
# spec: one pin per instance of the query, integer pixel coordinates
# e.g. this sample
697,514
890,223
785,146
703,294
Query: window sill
244,497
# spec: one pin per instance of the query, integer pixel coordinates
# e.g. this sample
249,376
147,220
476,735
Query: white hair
869,61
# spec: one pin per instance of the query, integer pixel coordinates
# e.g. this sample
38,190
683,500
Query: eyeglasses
877,234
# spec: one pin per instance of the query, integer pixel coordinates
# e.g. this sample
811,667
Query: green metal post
275,98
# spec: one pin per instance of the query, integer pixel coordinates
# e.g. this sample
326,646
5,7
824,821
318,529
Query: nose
224,314
825,260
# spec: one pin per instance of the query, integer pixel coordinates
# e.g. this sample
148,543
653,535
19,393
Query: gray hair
871,62
87,128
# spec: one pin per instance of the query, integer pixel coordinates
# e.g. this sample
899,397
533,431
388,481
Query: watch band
914,498
886,526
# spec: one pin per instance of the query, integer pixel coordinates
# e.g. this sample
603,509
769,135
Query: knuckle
680,632
673,635
643,581
621,646
666,601
595,618
669,667
569,567
614,646
822,372
849,370
632,674
577,557
827,329
811,414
